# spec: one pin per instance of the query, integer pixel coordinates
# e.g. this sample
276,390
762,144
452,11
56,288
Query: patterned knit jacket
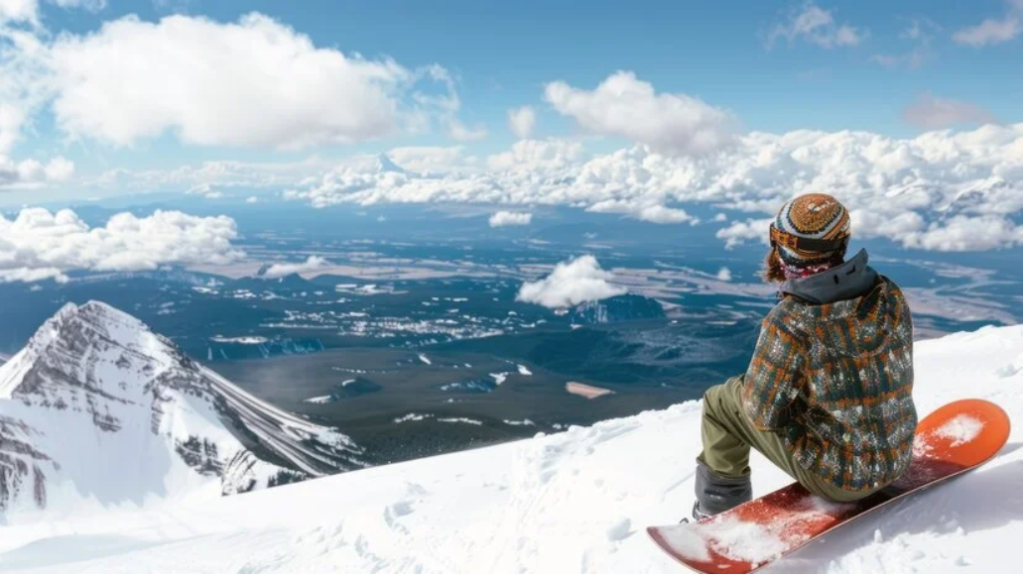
834,380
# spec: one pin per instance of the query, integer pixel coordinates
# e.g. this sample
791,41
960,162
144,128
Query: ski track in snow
571,502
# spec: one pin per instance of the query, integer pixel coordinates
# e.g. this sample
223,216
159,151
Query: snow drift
572,502
98,411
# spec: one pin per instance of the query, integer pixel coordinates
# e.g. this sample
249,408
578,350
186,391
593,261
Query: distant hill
629,307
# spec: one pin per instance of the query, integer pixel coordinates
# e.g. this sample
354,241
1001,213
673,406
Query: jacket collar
851,279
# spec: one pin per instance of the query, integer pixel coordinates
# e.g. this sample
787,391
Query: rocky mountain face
628,307
98,407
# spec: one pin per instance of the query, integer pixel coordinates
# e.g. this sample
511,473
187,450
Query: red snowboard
955,438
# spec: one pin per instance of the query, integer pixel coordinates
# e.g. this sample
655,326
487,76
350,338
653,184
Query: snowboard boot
716,494
695,515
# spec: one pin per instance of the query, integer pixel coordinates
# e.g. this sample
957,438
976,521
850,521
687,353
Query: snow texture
576,501
960,430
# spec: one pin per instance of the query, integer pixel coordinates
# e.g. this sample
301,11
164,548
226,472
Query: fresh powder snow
960,430
576,501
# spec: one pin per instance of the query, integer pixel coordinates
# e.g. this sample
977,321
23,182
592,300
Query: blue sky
502,54
670,113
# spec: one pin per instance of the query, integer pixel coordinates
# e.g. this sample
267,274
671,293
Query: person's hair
773,272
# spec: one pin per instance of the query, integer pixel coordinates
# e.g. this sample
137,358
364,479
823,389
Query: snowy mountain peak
94,312
93,336
95,390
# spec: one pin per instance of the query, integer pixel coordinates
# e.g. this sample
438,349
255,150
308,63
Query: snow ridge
98,407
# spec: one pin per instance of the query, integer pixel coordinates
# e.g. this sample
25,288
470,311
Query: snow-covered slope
572,502
98,411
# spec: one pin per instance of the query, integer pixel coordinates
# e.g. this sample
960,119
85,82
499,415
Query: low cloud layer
509,219
428,160
205,190
571,283
312,263
964,233
30,173
38,244
896,188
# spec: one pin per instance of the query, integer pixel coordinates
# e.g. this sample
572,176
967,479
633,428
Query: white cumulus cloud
521,121
256,68
624,106
739,232
509,219
251,83
888,224
571,283
966,233
312,263
537,155
39,244
19,11
724,274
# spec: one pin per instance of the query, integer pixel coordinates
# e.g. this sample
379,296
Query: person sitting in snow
827,395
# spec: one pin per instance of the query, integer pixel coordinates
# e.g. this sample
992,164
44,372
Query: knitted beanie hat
811,232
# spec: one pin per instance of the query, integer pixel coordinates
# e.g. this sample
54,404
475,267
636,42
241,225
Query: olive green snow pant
729,434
